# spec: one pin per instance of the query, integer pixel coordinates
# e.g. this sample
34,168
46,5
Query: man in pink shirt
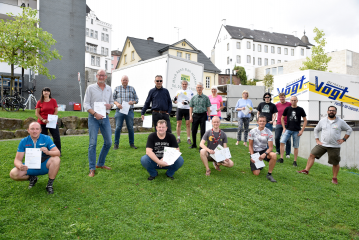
279,128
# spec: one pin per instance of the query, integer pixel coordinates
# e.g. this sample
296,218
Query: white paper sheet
100,108
209,125
170,155
33,158
52,121
125,108
221,154
181,97
214,109
147,122
247,109
258,163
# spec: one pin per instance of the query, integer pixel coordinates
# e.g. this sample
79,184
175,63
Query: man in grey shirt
331,128
98,92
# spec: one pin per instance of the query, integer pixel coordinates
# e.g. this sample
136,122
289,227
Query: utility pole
178,33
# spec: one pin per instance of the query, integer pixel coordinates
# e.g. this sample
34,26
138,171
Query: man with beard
331,128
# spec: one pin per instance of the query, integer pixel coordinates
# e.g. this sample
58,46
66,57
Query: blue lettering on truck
330,88
293,88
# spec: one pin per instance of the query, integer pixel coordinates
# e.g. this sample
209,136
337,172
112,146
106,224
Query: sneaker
303,171
172,178
270,178
50,190
280,160
150,178
133,146
335,180
277,153
216,166
288,156
178,140
32,180
295,164
189,141
115,147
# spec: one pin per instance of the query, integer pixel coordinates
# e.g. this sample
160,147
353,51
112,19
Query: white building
252,48
98,47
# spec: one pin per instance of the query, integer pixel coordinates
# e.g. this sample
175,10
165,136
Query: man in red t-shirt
279,128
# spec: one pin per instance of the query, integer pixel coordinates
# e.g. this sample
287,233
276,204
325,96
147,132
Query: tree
241,74
319,60
23,44
268,81
251,82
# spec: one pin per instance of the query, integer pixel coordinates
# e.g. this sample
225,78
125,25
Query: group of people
195,109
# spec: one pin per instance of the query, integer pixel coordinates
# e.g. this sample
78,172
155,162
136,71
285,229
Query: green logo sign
185,77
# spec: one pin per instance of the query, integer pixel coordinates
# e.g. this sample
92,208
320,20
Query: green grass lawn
123,204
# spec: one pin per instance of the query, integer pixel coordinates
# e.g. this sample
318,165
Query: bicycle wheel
33,102
10,104
23,103
15,105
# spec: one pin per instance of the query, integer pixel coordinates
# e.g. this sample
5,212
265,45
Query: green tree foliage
251,82
241,74
319,60
23,44
268,81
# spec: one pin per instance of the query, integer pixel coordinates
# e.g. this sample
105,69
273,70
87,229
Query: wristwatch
344,139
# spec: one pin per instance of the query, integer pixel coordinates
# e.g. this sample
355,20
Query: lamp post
230,70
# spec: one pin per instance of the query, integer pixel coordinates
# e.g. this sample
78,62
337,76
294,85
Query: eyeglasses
332,110
266,97
158,80
100,75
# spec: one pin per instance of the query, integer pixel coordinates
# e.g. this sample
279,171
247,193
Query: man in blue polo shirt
50,161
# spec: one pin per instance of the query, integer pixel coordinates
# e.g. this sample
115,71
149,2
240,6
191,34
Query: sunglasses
331,110
158,80
266,97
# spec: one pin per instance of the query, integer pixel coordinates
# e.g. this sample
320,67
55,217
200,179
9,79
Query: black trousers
198,119
55,134
161,116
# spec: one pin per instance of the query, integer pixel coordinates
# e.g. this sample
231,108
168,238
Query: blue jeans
278,134
151,166
119,117
286,136
94,125
243,122
269,126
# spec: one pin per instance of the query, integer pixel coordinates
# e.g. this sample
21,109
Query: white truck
317,90
173,70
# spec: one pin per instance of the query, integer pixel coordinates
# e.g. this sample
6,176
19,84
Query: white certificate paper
170,155
214,109
258,163
209,125
52,121
147,122
247,109
125,108
100,108
221,154
33,158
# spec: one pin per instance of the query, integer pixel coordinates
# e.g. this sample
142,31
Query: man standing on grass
267,109
183,110
161,103
98,92
331,128
292,128
214,137
124,93
200,107
259,138
281,106
156,143
50,161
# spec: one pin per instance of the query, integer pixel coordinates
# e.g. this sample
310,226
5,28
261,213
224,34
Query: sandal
216,166
245,144
237,143
208,172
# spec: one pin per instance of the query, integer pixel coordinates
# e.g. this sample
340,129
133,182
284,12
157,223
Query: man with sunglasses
331,128
267,109
161,103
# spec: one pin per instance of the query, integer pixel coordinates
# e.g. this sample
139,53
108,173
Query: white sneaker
277,153
287,156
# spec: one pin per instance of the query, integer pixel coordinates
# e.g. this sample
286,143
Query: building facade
250,48
115,58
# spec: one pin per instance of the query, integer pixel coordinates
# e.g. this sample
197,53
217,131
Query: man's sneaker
303,171
172,178
335,180
115,147
295,164
288,156
133,146
270,178
50,190
150,178
216,166
178,140
277,153
280,160
32,180
189,141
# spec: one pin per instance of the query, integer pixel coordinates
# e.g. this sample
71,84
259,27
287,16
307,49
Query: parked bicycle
14,103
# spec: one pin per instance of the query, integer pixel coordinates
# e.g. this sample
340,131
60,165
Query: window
208,82
95,49
179,54
266,62
267,71
274,71
248,58
98,61
227,46
188,56
107,38
349,58
102,50
132,55
111,57
91,34
227,60
272,61
248,45
260,61
91,21
254,61
279,61
238,45
259,48
238,59
265,48
118,58
183,44
280,70
272,49
105,29
87,48
102,37
96,33
302,52
254,47
292,52
87,32
92,60
279,50
285,51
105,64
111,65
125,59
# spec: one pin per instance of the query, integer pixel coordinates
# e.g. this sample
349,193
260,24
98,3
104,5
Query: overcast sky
200,20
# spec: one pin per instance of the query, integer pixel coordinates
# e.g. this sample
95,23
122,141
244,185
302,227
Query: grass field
123,204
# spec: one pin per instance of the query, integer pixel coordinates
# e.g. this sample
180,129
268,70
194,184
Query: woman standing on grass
48,105
243,120
216,99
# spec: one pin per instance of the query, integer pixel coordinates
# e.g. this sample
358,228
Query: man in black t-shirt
267,109
156,143
294,115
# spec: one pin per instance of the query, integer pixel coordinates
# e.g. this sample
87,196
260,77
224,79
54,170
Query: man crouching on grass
50,161
155,146
259,137
214,137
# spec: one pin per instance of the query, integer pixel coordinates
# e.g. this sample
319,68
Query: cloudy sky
200,20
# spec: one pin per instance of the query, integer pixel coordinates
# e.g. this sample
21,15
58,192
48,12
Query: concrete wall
354,70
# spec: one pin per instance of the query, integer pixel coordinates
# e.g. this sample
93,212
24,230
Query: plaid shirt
200,103
127,94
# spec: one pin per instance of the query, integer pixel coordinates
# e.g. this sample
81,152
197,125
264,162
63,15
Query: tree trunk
12,80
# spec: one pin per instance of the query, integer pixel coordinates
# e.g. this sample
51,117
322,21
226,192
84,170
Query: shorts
253,166
42,171
286,135
182,113
333,153
209,158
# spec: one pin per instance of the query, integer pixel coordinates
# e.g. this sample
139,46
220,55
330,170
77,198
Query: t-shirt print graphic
266,108
293,117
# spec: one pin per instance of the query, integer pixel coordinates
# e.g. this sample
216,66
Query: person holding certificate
154,158
97,102
259,137
124,96
45,106
214,137
41,157
244,114
216,103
